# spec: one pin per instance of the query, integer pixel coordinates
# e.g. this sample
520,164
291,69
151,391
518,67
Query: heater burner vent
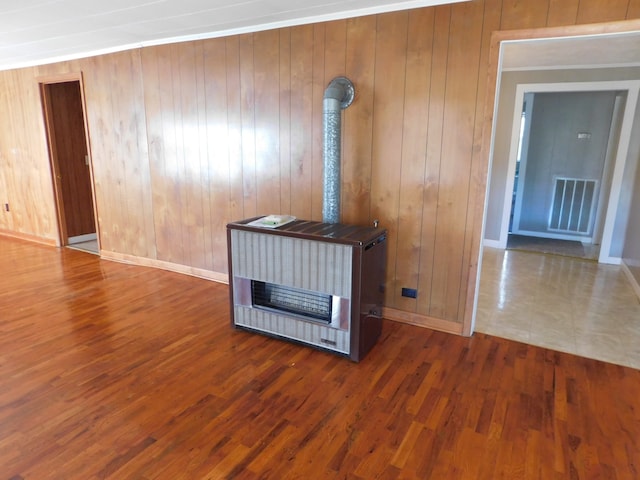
312,305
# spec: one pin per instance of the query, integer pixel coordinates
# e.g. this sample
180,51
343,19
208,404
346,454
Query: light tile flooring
561,303
90,246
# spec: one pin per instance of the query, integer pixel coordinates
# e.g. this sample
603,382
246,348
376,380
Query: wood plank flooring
110,371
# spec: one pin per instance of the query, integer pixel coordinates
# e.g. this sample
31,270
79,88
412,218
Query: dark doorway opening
70,163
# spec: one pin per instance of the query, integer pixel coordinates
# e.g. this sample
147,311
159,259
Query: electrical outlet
409,292
6,207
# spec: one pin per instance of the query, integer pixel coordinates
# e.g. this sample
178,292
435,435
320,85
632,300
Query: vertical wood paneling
120,153
184,190
284,119
633,10
7,138
145,242
562,12
302,41
457,141
267,120
358,121
187,137
247,115
388,111
219,137
131,160
594,11
5,218
438,79
28,174
101,119
201,142
115,111
166,169
475,209
194,198
517,14
414,153
335,51
316,119
234,125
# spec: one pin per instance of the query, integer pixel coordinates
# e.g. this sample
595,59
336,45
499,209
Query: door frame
489,115
632,87
43,82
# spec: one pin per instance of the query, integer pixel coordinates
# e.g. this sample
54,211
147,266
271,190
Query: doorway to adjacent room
70,159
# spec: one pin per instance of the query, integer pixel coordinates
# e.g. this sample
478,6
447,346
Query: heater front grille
312,305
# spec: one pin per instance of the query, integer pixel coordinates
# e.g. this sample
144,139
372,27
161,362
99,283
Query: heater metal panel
309,265
292,328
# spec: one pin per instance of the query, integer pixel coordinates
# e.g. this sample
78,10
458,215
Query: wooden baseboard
422,320
30,238
172,267
388,313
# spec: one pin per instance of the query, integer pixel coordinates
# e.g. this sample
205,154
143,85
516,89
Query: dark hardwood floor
110,371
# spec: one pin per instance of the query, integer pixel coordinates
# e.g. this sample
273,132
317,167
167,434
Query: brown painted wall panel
284,118
457,142
633,10
415,124
517,14
234,127
478,172
188,137
302,41
562,12
318,84
267,121
388,110
220,140
358,122
438,81
594,11
24,158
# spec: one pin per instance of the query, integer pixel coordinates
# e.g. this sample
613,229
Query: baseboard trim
422,320
28,237
162,265
632,279
492,244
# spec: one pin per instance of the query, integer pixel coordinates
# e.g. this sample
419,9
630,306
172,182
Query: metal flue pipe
338,96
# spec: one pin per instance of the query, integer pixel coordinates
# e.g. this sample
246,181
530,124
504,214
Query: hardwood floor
110,371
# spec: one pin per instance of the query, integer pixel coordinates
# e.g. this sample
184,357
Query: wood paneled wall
187,137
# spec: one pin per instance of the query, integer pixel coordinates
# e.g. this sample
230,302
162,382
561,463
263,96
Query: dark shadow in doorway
567,248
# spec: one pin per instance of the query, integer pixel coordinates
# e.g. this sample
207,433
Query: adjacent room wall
187,137
508,84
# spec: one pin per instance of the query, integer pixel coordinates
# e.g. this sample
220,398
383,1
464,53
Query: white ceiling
599,51
43,31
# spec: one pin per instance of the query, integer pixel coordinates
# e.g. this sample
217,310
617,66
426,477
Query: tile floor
562,303
90,246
